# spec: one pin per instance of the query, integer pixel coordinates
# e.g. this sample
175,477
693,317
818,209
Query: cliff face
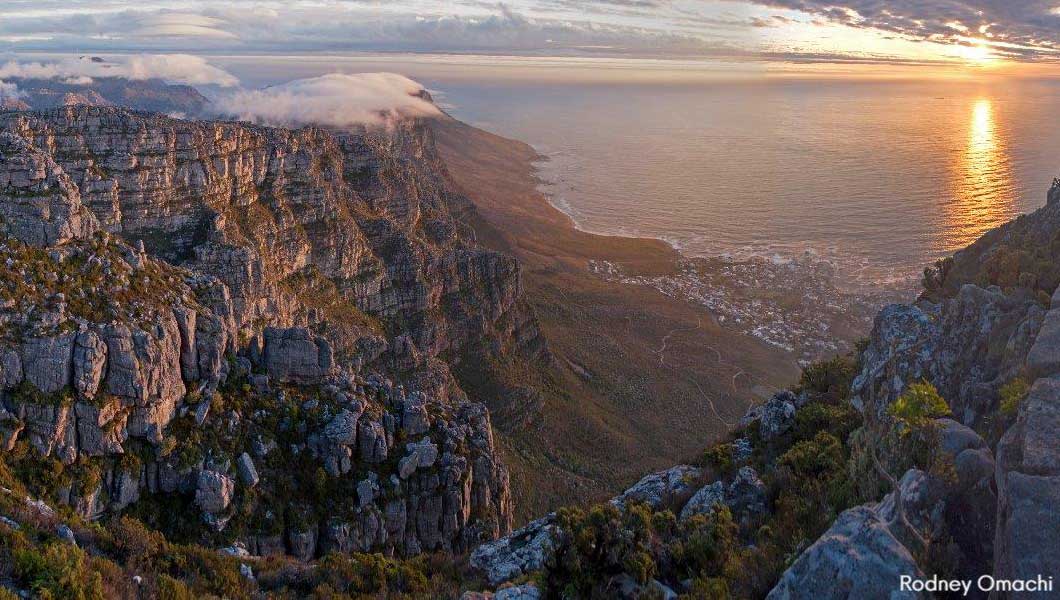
216,312
272,211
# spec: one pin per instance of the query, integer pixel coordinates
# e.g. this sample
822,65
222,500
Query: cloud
9,91
337,100
1027,30
177,68
649,28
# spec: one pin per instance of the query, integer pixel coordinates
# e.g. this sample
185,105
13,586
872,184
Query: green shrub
1012,395
57,571
829,378
919,404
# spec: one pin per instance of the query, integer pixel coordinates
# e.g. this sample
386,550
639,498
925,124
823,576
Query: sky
839,36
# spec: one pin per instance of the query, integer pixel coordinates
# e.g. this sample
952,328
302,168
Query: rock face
774,417
672,487
1028,487
858,557
522,552
300,225
206,277
744,495
967,346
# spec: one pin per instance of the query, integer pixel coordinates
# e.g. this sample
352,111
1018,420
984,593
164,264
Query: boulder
857,557
421,455
342,429
519,553
214,491
247,473
669,488
705,500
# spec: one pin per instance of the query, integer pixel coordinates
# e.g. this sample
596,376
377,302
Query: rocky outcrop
42,205
302,226
858,557
521,553
1028,487
670,488
967,346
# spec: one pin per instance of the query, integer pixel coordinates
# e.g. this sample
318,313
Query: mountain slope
639,380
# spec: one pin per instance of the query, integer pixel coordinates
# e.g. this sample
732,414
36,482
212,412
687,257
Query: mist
175,68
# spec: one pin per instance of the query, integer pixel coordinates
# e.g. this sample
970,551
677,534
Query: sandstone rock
1044,356
857,557
704,500
520,553
42,205
214,491
101,428
1028,485
342,429
10,369
955,438
367,490
297,355
247,473
414,419
372,442
90,356
48,362
967,346
303,544
526,591
744,495
659,490
420,455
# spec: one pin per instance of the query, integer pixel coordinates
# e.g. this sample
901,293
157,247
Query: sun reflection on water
984,193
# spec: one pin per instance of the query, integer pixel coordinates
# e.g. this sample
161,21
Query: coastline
638,379
800,303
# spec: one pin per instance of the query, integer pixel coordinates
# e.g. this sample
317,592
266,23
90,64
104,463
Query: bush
1012,395
57,571
918,405
830,378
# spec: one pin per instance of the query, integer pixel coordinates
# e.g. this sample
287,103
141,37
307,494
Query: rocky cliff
254,325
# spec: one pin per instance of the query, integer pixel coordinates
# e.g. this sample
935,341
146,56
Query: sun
976,53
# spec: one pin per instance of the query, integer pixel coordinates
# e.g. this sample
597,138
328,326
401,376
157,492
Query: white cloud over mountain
337,100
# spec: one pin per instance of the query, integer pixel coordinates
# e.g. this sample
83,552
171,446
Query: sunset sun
976,53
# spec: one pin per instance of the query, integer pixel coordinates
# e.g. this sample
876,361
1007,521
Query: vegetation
808,482
1012,395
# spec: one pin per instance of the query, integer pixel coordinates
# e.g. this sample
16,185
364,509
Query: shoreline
850,280
637,380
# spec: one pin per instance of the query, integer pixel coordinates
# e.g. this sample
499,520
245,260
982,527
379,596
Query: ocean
878,179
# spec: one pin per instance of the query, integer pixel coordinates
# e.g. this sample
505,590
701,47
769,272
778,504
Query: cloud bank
1025,30
649,28
175,68
337,100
